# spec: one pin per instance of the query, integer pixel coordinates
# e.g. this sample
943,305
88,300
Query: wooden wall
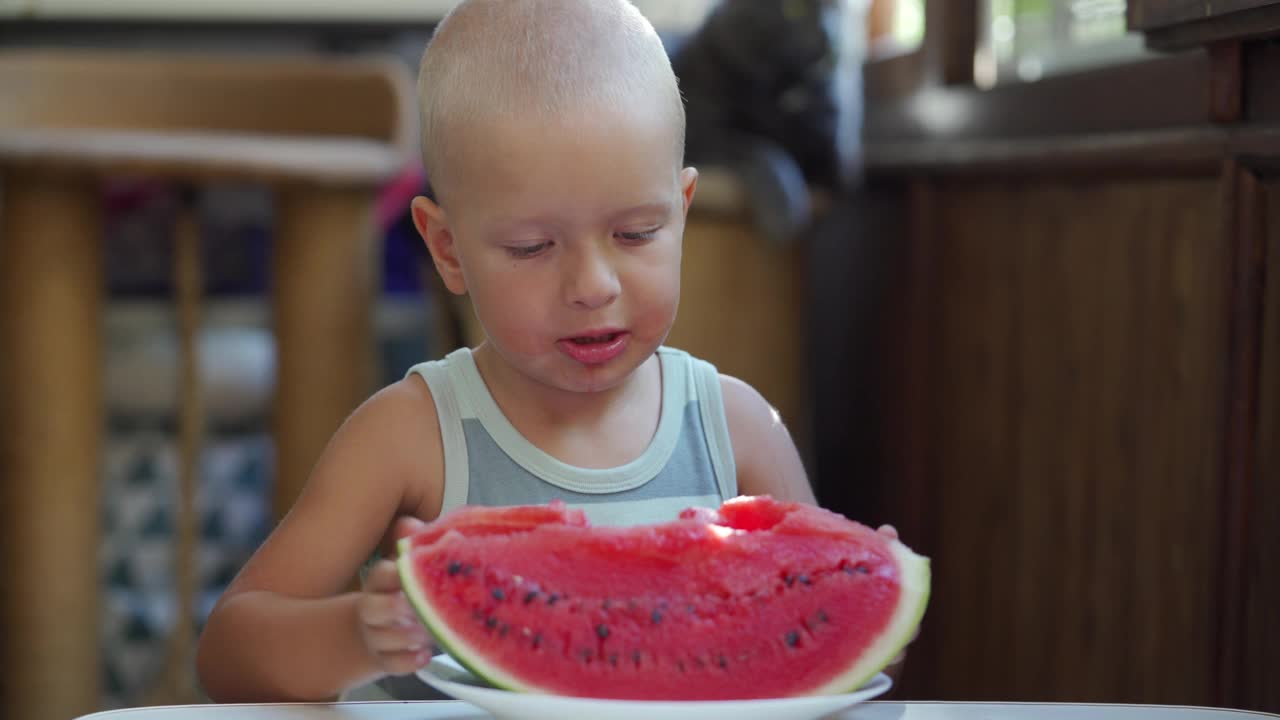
1076,410
1261,614
1073,422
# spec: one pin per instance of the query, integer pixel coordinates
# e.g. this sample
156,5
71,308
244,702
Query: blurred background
1009,269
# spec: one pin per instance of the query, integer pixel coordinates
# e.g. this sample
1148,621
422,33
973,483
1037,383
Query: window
895,27
1024,40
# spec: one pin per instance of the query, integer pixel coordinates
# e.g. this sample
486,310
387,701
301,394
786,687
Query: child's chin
597,378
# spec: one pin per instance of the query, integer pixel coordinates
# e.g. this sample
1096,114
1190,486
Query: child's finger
383,640
889,531
407,526
382,577
403,527
386,610
403,663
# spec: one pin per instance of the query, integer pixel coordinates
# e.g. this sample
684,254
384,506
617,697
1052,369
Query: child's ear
688,184
433,226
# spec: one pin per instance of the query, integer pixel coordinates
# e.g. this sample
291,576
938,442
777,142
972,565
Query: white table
446,710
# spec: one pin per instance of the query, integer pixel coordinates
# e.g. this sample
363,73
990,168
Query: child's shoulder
396,426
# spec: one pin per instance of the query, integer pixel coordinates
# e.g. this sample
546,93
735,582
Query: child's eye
639,237
526,251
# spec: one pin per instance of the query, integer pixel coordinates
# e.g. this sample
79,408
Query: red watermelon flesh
761,599
478,520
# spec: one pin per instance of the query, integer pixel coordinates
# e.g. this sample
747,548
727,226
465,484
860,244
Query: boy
553,134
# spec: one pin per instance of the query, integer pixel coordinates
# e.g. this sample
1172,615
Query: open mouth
596,348
594,339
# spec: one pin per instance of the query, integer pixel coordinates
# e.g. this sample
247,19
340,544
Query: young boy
553,134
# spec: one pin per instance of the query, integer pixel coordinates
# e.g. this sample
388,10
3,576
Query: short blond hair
539,59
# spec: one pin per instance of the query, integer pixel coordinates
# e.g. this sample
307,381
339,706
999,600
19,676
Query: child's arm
767,459
287,628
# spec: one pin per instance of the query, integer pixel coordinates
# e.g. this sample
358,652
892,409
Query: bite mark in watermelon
760,599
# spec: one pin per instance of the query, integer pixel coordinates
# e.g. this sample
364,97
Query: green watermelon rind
454,646
914,571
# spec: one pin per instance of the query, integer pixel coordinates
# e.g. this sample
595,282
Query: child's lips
595,347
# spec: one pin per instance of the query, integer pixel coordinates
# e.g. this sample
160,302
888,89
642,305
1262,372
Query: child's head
553,134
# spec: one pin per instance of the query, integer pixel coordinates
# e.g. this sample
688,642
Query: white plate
447,676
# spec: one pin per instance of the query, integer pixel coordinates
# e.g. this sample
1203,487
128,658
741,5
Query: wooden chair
323,133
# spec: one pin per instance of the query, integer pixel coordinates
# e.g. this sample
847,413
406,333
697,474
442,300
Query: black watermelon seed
722,662
822,616
804,579
862,569
656,616
498,594
680,664
602,630
789,579
552,598
502,631
491,622
537,640
530,596
586,654
635,657
455,567
793,639
613,659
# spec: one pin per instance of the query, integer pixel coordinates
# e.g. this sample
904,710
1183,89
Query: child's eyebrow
660,207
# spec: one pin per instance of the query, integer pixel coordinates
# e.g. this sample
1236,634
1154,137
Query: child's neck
605,428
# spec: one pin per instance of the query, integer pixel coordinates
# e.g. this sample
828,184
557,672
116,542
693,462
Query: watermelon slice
761,599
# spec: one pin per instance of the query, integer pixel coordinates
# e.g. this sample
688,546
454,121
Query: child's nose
591,281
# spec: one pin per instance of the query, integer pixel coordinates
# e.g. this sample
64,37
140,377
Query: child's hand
395,639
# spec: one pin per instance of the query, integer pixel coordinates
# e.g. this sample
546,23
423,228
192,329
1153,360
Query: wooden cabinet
1069,375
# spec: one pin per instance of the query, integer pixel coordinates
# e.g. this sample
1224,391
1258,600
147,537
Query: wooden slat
1077,371
1243,233
51,411
1260,657
208,93
323,280
912,417
201,156
176,684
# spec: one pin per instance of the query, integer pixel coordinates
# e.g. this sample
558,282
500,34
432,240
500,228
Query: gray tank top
689,461
487,461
